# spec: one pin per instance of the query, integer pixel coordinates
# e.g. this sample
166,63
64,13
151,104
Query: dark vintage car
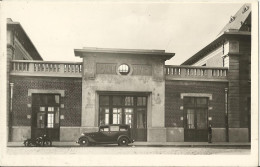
107,134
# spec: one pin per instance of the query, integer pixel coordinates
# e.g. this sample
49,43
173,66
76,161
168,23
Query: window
117,115
104,100
40,120
50,121
123,109
123,69
123,128
129,101
141,101
114,128
104,116
226,61
190,119
104,129
51,109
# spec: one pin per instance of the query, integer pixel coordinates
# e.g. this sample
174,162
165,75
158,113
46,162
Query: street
113,149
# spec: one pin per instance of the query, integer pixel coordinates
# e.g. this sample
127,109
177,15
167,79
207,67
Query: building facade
160,102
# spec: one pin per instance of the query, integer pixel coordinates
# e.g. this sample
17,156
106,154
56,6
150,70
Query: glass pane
51,109
189,101
50,122
40,120
123,128
141,101
104,116
114,128
104,129
42,108
51,99
57,116
129,101
104,100
57,99
117,115
201,119
43,99
202,101
141,118
190,119
129,117
117,100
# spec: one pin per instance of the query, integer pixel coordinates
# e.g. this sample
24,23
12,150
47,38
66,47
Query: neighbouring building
160,102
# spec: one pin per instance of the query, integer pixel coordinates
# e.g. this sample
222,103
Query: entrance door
45,116
141,129
128,109
195,119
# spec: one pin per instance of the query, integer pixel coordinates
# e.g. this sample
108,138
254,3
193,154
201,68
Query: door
45,116
141,129
195,120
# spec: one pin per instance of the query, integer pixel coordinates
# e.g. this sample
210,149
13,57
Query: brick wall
72,100
173,101
244,85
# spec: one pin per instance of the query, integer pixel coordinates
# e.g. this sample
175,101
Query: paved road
110,150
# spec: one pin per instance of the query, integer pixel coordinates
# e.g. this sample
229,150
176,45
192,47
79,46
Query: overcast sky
57,28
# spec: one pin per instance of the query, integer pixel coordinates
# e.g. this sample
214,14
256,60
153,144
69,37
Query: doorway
45,116
127,110
195,119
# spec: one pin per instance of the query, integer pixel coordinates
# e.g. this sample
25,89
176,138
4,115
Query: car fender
123,136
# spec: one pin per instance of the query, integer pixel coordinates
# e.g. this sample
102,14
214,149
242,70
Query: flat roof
79,52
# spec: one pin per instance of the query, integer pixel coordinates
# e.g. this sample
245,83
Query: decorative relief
141,69
106,68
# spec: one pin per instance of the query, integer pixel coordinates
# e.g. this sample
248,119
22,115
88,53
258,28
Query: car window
123,128
104,129
114,128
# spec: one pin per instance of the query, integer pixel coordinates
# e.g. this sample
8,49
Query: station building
164,103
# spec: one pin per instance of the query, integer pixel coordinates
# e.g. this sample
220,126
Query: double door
196,120
45,116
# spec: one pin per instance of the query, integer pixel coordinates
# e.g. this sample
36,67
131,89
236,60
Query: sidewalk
152,144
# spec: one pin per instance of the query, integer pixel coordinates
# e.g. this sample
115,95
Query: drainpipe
226,114
11,111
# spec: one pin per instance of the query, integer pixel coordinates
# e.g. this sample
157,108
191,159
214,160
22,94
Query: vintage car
107,134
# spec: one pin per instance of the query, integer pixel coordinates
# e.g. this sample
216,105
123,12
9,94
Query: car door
103,135
114,133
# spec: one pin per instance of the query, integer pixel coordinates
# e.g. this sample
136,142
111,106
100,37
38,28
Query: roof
237,21
211,46
235,27
162,53
22,36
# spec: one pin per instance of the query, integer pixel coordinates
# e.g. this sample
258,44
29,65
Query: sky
58,27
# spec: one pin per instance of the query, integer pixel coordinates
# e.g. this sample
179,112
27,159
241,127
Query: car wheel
84,142
47,143
123,141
